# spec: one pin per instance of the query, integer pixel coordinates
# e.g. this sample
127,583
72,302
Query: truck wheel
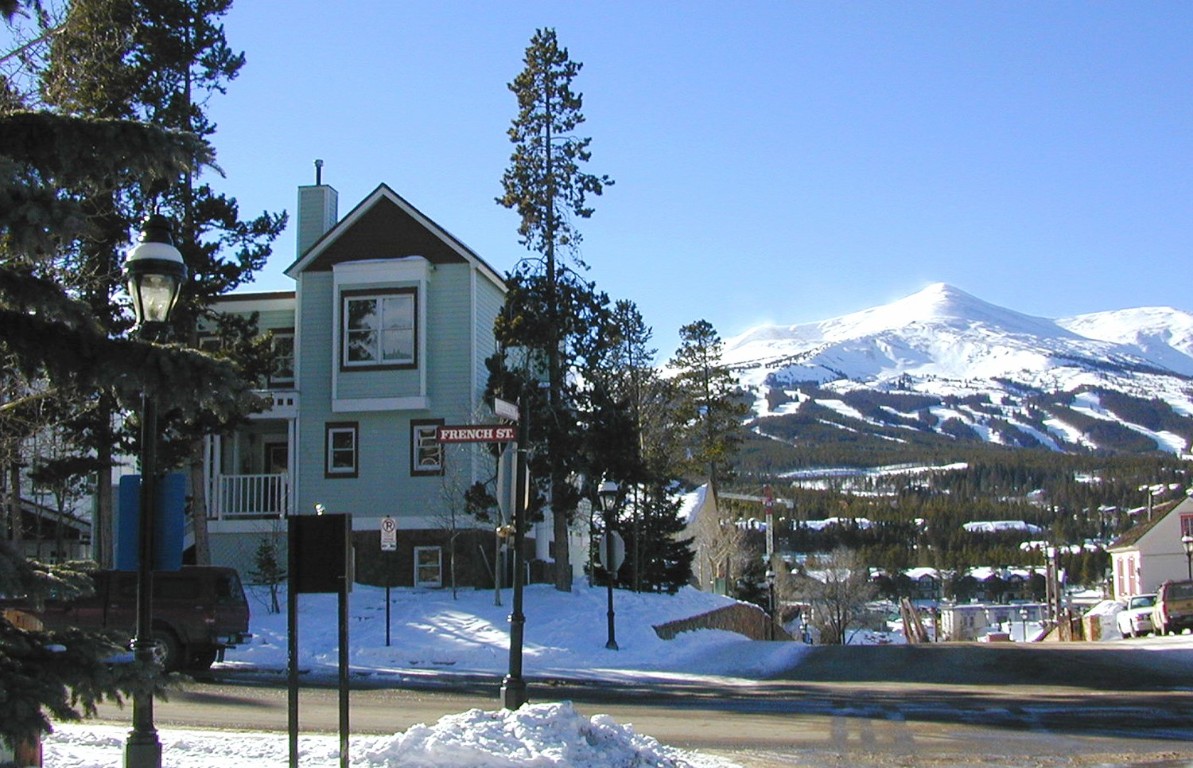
166,649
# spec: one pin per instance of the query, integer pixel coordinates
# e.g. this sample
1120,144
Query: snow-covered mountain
1007,376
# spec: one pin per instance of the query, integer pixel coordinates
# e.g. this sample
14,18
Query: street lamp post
1187,541
1023,620
609,493
154,273
770,601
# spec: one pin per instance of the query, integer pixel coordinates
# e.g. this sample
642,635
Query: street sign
389,534
479,434
505,409
617,556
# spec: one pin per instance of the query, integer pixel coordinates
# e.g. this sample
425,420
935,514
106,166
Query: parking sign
389,534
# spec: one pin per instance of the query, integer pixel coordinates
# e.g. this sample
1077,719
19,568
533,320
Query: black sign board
321,545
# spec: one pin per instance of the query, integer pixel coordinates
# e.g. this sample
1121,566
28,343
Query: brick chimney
317,211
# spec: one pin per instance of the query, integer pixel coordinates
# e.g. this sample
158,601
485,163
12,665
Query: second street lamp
1187,541
154,272
609,495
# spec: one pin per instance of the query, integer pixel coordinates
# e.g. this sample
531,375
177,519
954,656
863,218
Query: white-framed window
282,374
342,452
428,566
378,329
426,453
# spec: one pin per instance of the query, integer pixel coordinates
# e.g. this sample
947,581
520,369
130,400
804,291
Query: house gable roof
386,226
1130,539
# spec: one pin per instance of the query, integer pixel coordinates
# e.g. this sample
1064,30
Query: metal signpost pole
513,687
389,546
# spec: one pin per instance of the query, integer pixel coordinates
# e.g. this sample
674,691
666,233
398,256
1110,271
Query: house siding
449,342
275,319
489,301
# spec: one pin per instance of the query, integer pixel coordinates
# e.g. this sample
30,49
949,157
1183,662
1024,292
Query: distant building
970,621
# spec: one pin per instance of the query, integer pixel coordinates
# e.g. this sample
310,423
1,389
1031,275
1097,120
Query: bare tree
838,591
466,467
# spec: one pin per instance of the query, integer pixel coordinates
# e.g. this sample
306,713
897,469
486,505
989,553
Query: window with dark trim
426,453
378,329
428,566
341,454
282,344
1186,524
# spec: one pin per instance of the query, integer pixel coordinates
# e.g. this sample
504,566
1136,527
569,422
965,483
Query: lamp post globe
609,495
154,273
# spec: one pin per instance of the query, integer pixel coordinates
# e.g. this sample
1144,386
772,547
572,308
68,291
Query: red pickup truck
198,612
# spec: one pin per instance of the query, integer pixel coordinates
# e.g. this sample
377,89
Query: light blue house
383,339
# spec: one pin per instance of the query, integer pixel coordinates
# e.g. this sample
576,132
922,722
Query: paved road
1012,719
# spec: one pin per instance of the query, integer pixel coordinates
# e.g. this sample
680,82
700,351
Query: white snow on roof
997,526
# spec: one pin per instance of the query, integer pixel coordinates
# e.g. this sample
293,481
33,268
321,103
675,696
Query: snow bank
535,736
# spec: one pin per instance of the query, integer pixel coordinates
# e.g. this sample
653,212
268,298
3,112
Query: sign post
389,543
513,687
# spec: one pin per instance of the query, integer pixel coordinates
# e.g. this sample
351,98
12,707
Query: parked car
198,612
1173,610
1136,618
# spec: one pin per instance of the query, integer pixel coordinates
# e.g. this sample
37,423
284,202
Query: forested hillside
905,504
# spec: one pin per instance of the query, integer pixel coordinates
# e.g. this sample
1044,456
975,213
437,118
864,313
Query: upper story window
282,374
378,329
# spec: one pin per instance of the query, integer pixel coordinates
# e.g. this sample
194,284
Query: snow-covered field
432,633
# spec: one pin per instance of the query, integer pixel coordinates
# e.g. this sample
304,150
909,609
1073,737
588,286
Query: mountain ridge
1033,376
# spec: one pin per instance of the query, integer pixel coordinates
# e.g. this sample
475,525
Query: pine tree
706,408
269,571
52,343
59,674
660,560
546,187
161,61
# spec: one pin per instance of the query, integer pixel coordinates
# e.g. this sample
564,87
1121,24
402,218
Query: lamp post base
612,643
513,692
142,750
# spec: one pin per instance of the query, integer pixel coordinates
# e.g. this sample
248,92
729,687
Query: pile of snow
537,736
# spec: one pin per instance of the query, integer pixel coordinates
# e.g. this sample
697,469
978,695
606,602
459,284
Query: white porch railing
244,496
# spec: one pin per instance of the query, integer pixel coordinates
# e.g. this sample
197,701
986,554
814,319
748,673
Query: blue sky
774,161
